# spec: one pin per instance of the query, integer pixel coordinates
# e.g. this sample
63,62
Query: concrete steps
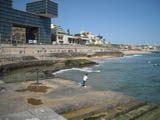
134,112
153,115
137,110
132,115
109,110
123,109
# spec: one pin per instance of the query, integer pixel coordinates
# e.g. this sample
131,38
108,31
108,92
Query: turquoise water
137,75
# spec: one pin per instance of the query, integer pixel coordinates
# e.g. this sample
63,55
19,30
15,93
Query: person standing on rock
85,78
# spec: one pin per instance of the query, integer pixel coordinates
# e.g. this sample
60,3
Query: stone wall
36,50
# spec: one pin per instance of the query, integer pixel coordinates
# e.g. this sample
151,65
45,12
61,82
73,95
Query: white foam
137,55
88,70
97,65
128,56
61,71
156,64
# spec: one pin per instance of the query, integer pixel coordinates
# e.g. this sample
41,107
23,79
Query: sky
119,21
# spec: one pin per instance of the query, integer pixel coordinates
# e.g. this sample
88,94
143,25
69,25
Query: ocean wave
127,56
155,64
98,65
130,56
88,70
61,71
137,55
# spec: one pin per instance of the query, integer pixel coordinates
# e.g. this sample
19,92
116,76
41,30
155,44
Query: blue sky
119,21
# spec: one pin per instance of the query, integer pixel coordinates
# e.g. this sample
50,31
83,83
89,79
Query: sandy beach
131,52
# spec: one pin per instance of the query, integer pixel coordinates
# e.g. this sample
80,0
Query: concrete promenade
73,102
42,113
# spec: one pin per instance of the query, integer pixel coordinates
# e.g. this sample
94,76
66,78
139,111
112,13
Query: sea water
136,75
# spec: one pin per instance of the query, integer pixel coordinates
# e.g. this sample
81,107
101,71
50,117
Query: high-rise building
36,20
57,29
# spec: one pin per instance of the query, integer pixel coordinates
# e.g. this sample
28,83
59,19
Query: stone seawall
52,52
33,50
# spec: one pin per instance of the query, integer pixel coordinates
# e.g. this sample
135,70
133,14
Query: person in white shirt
85,78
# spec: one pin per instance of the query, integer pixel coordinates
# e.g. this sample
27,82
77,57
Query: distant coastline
132,52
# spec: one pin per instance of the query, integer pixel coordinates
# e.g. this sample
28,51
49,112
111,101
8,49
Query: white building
96,40
88,35
59,36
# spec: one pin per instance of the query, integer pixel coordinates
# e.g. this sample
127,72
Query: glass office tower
36,21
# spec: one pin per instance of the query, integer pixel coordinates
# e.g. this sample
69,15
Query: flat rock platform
72,101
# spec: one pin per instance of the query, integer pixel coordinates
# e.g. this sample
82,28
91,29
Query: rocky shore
68,98
74,60
25,68
33,70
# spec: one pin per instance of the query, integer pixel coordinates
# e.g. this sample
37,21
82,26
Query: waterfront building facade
93,39
60,36
36,21
89,36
